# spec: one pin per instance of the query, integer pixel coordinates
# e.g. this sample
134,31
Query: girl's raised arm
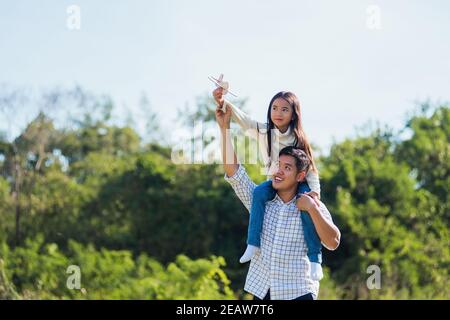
247,124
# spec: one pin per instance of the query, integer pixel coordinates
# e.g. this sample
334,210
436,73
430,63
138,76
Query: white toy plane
222,84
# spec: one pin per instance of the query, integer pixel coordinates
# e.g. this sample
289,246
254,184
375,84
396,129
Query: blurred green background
90,193
95,97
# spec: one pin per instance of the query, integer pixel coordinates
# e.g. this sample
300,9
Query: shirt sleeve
313,181
326,215
242,185
249,126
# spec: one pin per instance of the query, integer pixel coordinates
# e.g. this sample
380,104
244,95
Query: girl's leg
262,193
311,238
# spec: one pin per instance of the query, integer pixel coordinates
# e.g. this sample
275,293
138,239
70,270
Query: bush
39,271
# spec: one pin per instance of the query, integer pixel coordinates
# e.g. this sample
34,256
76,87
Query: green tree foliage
7,291
388,218
40,272
92,195
427,152
99,137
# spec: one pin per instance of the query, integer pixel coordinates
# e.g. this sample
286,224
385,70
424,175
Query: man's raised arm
230,164
235,173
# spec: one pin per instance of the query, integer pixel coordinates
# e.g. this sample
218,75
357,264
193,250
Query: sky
349,62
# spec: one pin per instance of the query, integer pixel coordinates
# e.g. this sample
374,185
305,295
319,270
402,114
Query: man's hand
306,203
223,119
328,233
218,96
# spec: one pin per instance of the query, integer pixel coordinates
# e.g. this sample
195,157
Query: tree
23,160
386,218
427,152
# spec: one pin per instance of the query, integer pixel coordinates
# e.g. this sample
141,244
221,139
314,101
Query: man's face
287,175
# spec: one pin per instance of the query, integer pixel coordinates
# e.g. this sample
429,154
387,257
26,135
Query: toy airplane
222,84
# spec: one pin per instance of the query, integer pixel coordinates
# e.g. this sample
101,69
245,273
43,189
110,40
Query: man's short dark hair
302,160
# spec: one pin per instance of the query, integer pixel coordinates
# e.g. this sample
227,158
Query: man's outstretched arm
235,173
230,164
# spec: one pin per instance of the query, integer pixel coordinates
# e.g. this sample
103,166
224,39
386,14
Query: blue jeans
265,192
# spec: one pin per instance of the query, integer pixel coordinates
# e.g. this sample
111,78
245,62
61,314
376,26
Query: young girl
283,128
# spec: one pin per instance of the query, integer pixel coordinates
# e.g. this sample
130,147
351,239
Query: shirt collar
278,199
281,134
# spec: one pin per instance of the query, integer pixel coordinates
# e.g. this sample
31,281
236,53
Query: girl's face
281,114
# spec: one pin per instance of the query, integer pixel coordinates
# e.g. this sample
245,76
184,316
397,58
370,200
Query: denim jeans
265,192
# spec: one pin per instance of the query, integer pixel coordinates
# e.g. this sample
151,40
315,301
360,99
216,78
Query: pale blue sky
343,72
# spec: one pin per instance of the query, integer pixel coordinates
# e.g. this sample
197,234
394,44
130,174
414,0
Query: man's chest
282,223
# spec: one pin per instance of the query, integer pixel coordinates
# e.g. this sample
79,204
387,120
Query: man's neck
287,195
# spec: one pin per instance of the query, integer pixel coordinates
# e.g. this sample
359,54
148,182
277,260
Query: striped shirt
282,264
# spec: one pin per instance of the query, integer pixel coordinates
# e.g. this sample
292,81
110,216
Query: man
281,270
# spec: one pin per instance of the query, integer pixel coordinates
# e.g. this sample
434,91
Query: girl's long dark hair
301,141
